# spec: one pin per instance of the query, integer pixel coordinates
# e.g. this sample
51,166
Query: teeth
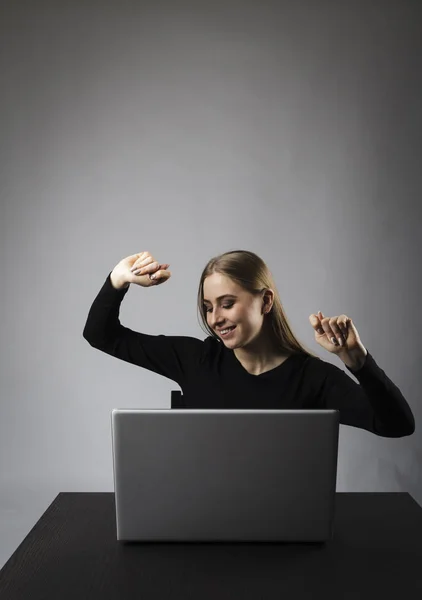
225,330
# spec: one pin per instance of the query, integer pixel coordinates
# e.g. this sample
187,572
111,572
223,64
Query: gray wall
187,129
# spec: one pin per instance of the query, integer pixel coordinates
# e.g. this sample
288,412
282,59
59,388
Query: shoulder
316,366
325,374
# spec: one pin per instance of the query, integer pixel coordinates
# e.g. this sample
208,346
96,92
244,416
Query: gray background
292,129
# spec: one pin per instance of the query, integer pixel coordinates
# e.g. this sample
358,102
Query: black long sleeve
211,376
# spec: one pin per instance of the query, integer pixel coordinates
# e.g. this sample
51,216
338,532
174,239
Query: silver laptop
191,475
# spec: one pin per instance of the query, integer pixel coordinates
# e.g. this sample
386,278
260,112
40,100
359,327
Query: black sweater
211,376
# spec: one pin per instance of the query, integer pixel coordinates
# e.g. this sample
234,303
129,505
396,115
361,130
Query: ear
268,298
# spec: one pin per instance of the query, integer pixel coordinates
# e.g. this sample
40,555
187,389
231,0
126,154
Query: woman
251,358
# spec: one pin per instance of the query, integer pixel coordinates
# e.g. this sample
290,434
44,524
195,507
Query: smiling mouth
230,330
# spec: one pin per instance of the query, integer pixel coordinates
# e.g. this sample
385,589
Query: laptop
226,475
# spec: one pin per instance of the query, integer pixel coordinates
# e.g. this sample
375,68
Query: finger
343,320
138,257
136,265
335,328
141,263
146,267
316,323
162,277
326,323
334,325
157,278
340,324
320,317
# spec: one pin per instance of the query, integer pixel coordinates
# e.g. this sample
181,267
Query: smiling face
227,304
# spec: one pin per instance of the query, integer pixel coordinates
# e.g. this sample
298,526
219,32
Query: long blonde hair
251,273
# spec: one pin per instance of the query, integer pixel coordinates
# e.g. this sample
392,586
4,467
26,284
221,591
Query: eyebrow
221,297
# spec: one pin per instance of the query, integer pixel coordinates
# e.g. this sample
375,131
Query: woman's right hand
124,270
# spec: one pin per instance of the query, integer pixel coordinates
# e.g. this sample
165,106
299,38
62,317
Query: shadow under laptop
225,569
223,543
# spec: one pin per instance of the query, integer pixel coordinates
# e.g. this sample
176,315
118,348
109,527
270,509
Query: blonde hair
251,273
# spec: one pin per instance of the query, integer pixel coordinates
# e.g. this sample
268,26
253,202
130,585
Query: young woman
251,358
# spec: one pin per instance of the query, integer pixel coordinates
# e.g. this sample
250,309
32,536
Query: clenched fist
142,269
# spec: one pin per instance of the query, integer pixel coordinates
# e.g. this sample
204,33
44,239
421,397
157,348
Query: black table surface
72,552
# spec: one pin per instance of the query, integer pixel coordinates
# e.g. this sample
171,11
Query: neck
260,355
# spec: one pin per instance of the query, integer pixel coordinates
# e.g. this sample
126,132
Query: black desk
72,552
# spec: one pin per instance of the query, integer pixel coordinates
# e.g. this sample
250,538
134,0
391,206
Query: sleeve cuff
368,364
109,286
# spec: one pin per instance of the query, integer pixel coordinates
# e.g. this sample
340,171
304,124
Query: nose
216,320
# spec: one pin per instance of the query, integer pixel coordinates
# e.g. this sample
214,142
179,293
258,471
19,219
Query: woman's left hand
328,330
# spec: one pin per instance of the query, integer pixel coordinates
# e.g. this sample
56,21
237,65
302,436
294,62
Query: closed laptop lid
224,475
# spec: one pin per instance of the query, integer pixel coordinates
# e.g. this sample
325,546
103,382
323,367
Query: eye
225,306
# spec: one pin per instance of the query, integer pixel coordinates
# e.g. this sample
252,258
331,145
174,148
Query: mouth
229,332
